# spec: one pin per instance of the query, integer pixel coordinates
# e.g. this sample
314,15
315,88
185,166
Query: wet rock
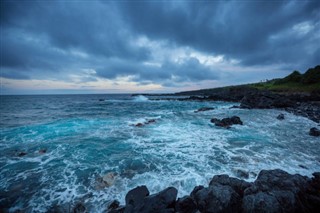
139,125
261,202
242,174
101,99
217,198
42,151
204,109
150,121
164,200
114,205
105,181
109,178
186,205
275,191
227,122
21,154
314,132
137,200
136,195
236,184
280,117
79,208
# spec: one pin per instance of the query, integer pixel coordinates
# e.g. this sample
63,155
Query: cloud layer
165,43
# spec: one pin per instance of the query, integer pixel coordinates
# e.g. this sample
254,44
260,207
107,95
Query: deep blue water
85,139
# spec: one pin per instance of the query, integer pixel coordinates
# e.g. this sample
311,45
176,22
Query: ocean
55,149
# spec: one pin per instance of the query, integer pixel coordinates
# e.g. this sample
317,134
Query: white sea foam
140,98
181,149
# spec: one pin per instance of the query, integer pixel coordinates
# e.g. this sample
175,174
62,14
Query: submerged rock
227,122
106,180
314,132
204,109
139,125
21,154
42,151
280,116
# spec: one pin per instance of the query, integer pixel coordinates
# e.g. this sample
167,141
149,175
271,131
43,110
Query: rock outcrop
204,109
227,122
272,191
314,132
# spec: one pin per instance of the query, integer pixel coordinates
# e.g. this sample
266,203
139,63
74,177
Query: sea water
88,136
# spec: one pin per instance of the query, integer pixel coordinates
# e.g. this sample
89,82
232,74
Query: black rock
280,116
79,208
136,195
114,205
275,191
218,198
204,109
163,201
237,185
186,205
227,122
314,132
21,154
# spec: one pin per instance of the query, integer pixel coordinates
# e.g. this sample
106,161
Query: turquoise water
85,138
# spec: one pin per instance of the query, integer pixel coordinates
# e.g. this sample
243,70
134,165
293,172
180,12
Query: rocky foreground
272,191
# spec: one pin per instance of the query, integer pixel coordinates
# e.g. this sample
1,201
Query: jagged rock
150,121
138,201
204,109
275,191
114,205
42,151
280,116
238,185
314,132
21,154
217,198
227,122
79,208
136,195
186,205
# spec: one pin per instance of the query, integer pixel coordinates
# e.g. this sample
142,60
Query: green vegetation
295,82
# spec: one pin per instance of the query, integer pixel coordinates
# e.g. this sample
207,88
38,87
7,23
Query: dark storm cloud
47,39
188,70
240,30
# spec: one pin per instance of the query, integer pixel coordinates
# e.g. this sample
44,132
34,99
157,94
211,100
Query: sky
60,47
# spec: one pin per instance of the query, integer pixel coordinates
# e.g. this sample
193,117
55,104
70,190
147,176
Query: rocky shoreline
272,191
302,104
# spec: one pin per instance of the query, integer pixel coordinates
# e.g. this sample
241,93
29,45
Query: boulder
136,195
109,178
275,191
217,198
280,117
314,132
21,154
204,109
138,201
186,205
42,151
227,122
79,208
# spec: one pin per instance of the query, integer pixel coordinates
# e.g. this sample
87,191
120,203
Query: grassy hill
293,83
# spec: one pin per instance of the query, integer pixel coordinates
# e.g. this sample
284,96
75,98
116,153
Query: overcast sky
153,46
